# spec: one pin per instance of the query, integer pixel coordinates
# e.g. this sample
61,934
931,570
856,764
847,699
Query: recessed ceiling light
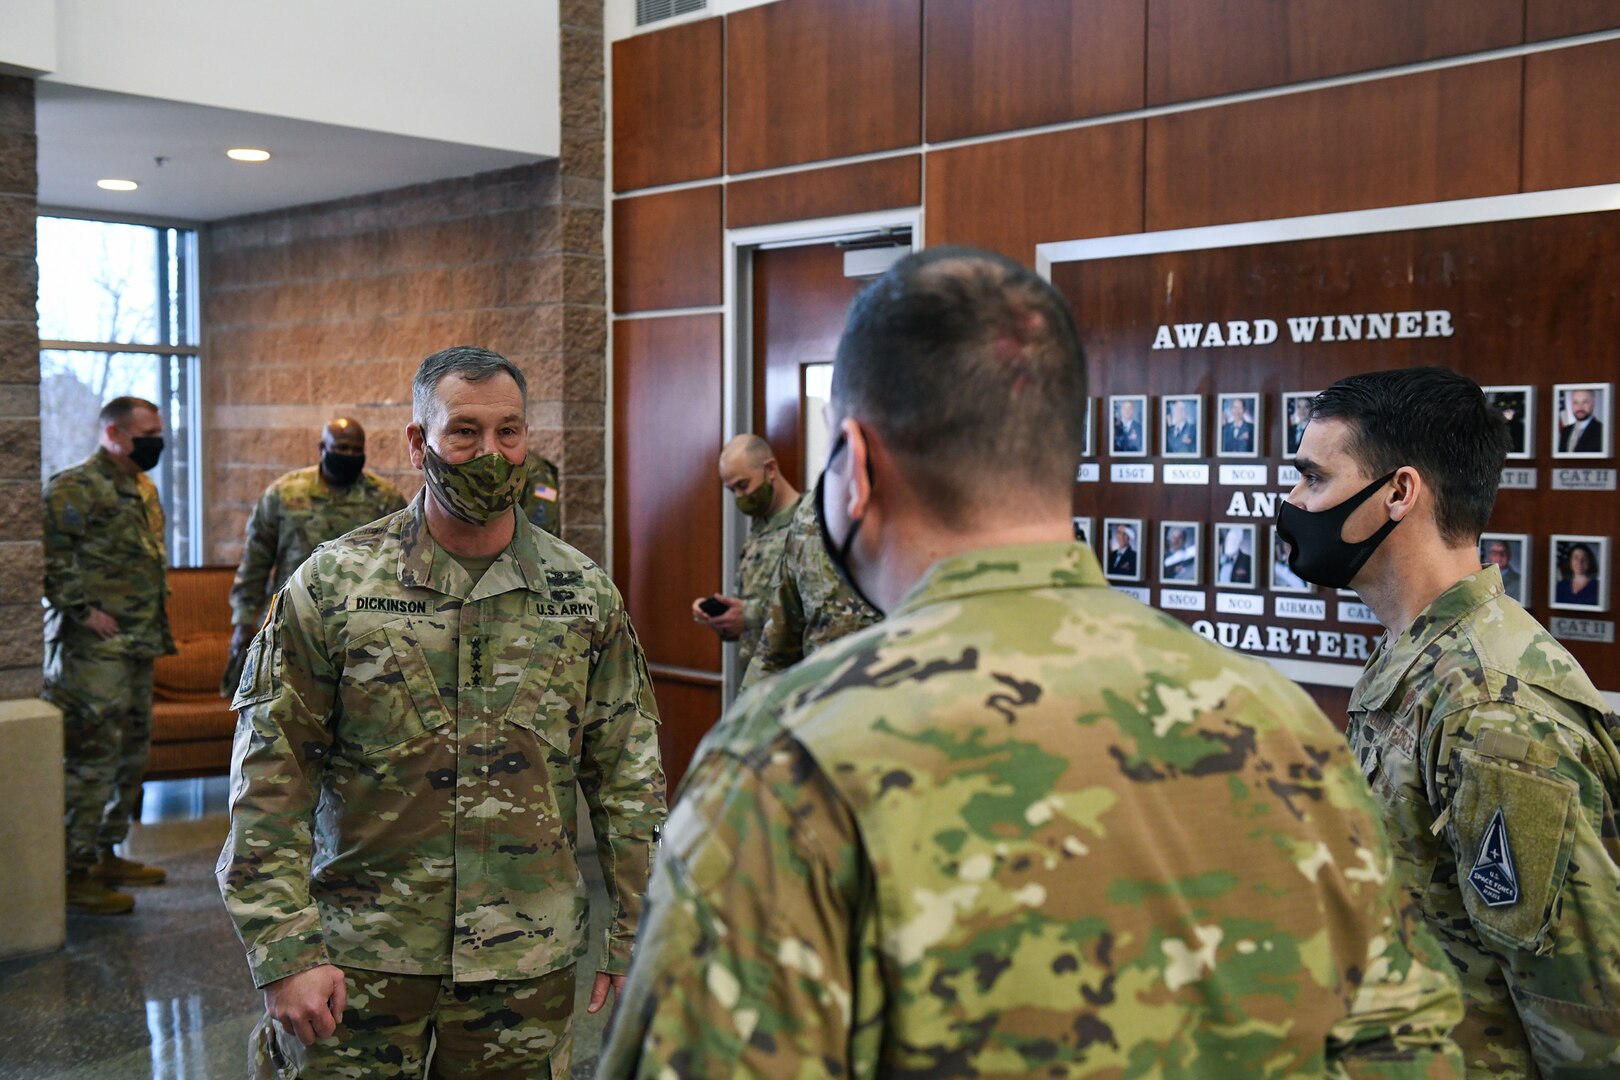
247,153
117,185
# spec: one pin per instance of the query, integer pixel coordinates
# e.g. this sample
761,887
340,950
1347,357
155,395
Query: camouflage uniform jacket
542,499
104,549
405,763
812,605
1028,827
297,512
1475,715
756,575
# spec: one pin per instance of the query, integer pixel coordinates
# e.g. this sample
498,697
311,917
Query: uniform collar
779,520
1391,662
520,566
1016,568
105,464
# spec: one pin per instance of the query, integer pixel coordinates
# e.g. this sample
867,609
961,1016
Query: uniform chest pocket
387,691
551,698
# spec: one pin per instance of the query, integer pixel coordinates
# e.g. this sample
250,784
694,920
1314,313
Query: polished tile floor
164,992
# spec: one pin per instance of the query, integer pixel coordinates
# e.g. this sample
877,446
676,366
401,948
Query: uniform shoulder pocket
1513,825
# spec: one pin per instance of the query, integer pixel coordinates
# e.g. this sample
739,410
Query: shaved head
747,450
343,435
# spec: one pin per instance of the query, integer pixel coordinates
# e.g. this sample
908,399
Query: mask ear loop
838,554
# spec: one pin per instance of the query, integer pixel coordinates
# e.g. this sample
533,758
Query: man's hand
730,625
310,1004
240,636
599,992
104,625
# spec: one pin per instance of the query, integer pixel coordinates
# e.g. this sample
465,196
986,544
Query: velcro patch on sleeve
1514,829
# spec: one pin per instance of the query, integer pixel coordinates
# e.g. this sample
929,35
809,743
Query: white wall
483,73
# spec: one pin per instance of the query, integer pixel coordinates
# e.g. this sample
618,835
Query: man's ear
417,442
859,489
1407,488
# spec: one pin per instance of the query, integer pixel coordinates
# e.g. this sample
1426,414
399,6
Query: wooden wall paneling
667,250
1558,18
1565,143
819,193
810,80
667,434
667,104
1201,48
687,709
1531,302
1022,63
1436,135
801,297
1010,195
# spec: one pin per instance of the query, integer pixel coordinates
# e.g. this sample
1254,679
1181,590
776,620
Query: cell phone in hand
713,608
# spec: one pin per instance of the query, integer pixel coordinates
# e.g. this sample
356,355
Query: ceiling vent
651,11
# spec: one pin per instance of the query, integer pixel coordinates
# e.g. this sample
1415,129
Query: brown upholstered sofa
191,724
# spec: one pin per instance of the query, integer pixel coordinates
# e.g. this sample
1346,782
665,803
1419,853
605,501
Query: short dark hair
120,409
472,363
1434,420
970,367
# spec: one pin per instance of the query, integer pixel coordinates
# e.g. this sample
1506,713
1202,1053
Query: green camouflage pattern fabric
542,496
1475,708
1028,827
106,702
406,757
757,568
479,489
104,549
294,515
812,606
502,1029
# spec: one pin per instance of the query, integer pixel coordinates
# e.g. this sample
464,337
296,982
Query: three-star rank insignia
1493,875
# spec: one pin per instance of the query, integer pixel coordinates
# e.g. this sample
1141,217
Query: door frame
737,372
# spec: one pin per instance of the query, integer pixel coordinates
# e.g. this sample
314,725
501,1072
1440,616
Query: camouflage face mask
478,490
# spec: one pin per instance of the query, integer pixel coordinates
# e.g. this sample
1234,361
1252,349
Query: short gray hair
470,362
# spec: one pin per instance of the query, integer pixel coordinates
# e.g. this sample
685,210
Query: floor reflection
163,992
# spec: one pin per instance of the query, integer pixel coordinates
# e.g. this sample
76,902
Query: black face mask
1318,551
342,469
838,554
146,452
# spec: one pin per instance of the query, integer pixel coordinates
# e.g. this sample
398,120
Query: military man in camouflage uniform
1491,754
1025,826
426,697
304,508
541,501
106,581
812,606
750,472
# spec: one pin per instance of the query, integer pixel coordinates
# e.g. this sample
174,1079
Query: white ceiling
86,135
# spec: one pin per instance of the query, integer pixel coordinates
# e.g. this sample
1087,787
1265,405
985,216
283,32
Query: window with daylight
118,315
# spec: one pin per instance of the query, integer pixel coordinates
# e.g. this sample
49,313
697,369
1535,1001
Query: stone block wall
22,562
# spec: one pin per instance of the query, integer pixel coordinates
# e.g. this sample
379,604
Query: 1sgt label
1131,474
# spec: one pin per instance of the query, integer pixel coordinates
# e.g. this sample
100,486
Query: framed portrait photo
1296,413
1089,421
1281,576
1509,553
1181,424
1517,406
1582,424
1578,573
1234,556
1179,548
1239,432
1128,414
1123,557
1083,532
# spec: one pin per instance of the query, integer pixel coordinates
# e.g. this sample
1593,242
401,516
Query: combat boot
112,870
85,893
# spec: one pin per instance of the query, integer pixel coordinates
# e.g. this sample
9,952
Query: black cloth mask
146,451
838,554
1318,551
342,469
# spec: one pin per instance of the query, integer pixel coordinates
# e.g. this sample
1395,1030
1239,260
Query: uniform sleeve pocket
1514,829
